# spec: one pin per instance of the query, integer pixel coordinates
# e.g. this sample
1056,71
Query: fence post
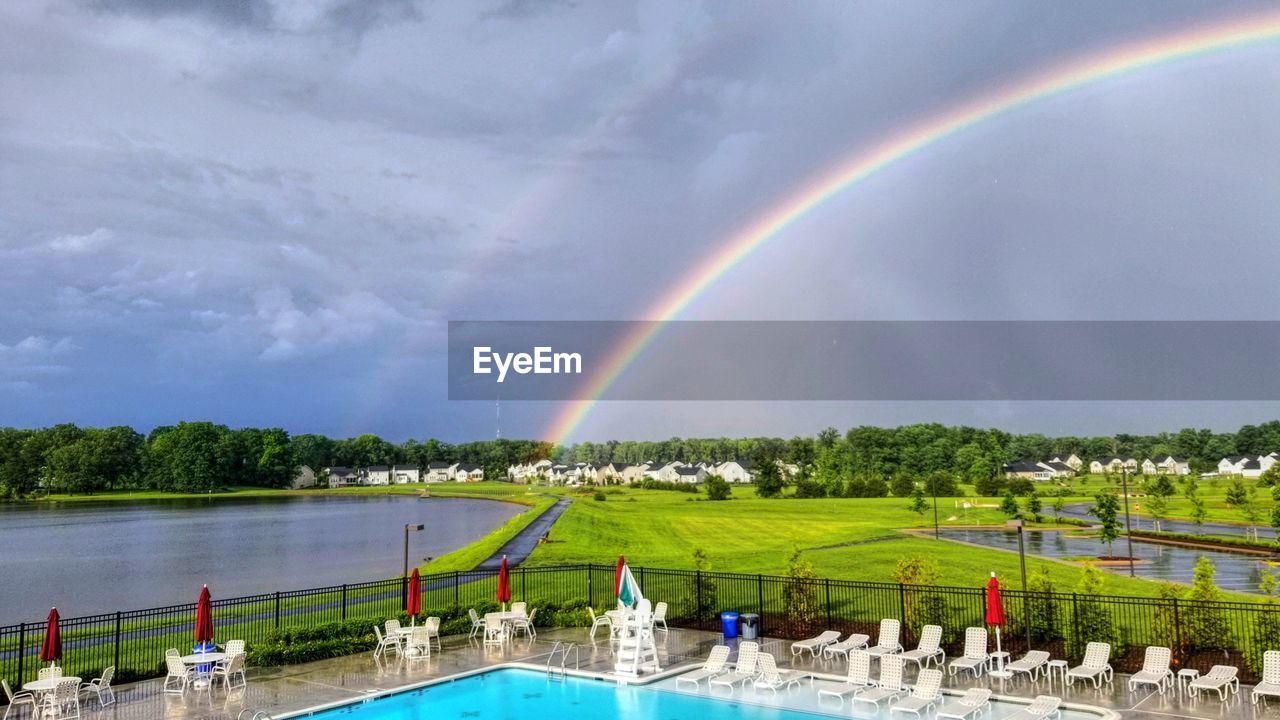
827,586
22,647
902,602
277,609
524,585
1075,625
117,653
590,586
697,600
760,601
457,601
344,601
1177,628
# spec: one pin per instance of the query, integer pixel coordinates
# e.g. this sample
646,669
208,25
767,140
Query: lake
90,557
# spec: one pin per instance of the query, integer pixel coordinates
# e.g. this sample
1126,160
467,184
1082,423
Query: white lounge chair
232,673
1155,669
974,658
714,666
101,687
599,621
1270,684
1034,664
63,702
858,679
477,625
890,686
178,677
815,645
888,641
745,669
1042,708
771,678
385,642
855,641
1220,678
929,649
660,616
1094,666
17,700
970,705
924,695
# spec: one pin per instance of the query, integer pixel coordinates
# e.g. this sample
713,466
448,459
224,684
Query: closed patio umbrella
204,617
995,611
51,649
617,575
504,584
413,601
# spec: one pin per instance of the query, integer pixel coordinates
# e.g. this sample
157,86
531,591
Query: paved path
1143,522
518,548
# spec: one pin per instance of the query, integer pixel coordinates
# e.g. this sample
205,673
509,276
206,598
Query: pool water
512,694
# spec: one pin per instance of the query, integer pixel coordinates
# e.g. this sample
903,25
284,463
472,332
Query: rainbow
1072,76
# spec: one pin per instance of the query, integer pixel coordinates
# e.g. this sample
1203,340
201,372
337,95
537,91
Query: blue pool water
528,695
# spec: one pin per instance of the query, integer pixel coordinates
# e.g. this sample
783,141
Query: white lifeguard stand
637,650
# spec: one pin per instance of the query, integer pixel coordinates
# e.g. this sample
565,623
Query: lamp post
937,535
404,581
1022,559
1128,528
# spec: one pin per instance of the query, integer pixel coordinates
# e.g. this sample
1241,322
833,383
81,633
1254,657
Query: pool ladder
250,714
563,650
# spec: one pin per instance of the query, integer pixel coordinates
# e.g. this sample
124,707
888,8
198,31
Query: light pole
937,535
1128,529
1022,558
404,581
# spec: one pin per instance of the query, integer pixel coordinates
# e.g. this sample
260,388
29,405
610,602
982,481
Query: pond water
89,557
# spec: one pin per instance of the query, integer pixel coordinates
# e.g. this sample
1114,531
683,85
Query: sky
265,212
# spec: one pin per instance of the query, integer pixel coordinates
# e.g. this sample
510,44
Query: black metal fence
1201,634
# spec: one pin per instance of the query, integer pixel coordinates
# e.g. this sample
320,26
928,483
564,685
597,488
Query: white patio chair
101,687
233,647
1270,684
1094,666
385,643
1034,664
63,701
744,669
855,641
974,658
419,645
889,687
771,678
433,630
599,621
524,624
232,673
172,652
391,628
929,649
495,631
714,666
888,641
1220,678
17,700
519,608
857,680
974,702
815,645
49,673
924,695
179,675
476,623
1042,708
1155,670
660,616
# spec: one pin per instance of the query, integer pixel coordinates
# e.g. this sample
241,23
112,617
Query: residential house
342,477
437,471
629,473
690,474
1070,459
304,478
670,471
652,471
1115,465
405,474
558,474
735,471
1232,465
467,472
1059,469
375,475
1023,469
1168,465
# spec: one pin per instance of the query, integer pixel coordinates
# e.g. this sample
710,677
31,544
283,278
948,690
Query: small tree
1165,622
902,485
1034,506
1059,504
1191,491
1270,477
768,477
1249,510
1158,505
1207,626
1107,508
1235,493
1275,512
1009,505
918,503
799,594
924,605
1093,621
704,602
1266,629
717,488
1045,623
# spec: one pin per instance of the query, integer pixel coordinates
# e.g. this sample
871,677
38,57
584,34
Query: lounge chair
1221,678
771,678
924,695
1043,707
599,621
1034,664
890,686
887,642
1270,684
17,700
858,679
1094,666
815,645
745,669
929,649
974,658
855,641
1155,670
714,665
101,687
477,624
967,706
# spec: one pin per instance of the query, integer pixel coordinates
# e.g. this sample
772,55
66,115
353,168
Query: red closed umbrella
995,611
617,575
504,584
413,601
51,650
204,617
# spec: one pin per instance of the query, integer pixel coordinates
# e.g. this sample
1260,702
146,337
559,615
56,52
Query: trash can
750,626
729,624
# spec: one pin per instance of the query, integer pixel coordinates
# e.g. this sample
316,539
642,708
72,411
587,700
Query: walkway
518,548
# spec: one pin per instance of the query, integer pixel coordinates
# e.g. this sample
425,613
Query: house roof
687,470
1059,466
406,467
1161,459
377,468
1251,464
1021,466
467,467
1233,459
438,466
340,470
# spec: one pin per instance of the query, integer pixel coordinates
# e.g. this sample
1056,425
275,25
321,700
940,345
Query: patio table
39,687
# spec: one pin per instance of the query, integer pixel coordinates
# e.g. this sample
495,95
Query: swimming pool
518,694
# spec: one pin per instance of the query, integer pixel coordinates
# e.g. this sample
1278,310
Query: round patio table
40,687
204,658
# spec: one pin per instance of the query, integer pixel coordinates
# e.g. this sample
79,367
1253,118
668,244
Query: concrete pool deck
281,691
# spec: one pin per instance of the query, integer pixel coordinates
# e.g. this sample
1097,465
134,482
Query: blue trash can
204,647
729,624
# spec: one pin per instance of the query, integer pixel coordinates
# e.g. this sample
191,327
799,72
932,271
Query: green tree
1249,510
1235,493
1275,511
1046,620
925,606
705,596
918,503
1034,505
1093,621
1270,477
799,593
1191,490
1059,504
768,478
903,485
1159,492
1266,628
1009,505
1165,620
942,484
717,488
1106,509
1207,626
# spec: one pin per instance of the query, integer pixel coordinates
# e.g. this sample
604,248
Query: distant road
1143,522
518,548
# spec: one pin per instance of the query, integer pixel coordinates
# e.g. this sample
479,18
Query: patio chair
476,623
744,669
1043,707
660,616
888,641
47,673
890,686
1094,666
385,643
1034,664
1270,684
172,651
929,649
857,680
392,628
232,673
1155,670
179,675
233,647
17,700
525,624
519,608
599,621
1221,678
63,701
927,692
101,687
969,705
855,641
771,678
433,630
815,645
714,665
974,658
495,631
419,645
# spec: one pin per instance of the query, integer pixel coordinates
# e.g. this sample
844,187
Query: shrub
799,594
717,488
599,496
1093,620
1046,622
1207,626
1266,631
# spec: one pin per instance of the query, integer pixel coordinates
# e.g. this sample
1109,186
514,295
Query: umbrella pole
998,655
